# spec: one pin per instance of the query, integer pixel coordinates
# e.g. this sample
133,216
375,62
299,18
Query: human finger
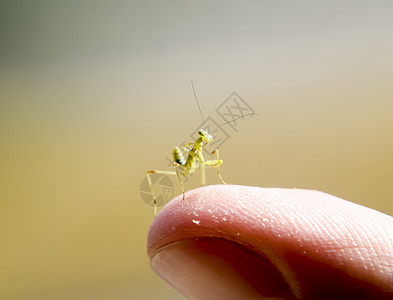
247,242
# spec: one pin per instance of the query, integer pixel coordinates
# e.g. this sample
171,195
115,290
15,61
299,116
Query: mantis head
206,137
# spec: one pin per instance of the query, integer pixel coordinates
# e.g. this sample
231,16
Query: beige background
94,93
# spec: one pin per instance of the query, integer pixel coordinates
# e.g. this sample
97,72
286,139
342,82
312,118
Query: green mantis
195,159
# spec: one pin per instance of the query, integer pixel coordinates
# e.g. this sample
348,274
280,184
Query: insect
195,160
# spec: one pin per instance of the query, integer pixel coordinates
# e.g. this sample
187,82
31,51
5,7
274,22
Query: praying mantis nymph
195,159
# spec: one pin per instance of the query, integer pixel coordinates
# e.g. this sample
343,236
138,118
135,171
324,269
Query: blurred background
95,93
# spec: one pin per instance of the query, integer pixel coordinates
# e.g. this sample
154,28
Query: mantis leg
176,166
210,163
164,173
186,146
219,162
203,175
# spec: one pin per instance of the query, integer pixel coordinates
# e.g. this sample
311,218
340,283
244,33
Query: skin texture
239,242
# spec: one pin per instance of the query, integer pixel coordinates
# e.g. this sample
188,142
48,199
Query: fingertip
289,228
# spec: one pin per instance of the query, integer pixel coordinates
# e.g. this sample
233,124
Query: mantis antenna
235,119
200,110
196,98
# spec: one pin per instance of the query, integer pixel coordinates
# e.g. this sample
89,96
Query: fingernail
213,268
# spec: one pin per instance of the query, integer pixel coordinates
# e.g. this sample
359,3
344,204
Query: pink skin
239,242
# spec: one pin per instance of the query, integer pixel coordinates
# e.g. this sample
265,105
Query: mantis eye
202,133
